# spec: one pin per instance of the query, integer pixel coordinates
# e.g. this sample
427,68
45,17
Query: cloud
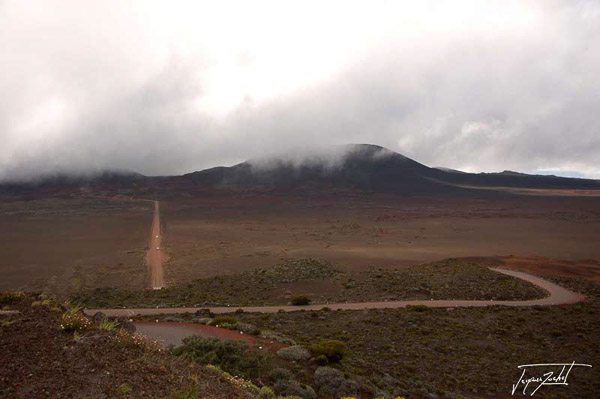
164,89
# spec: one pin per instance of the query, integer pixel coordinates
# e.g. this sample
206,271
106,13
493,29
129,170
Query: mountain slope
367,167
357,166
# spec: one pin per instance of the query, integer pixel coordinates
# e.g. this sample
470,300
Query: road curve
154,255
558,296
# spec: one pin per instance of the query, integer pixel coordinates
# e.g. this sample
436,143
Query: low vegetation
300,301
449,279
235,357
435,352
332,349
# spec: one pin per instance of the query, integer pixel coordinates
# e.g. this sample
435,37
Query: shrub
188,392
293,388
332,383
234,357
45,302
266,393
300,301
245,328
296,353
107,325
332,349
245,384
418,308
123,389
127,339
321,360
279,373
10,296
74,320
223,321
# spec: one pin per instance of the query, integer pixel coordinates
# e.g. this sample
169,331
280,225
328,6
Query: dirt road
558,296
154,257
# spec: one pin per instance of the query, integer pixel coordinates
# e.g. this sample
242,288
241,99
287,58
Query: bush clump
279,373
11,296
321,360
235,357
332,383
332,349
266,393
123,389
74,320
295,353
418,308
300,301
292,388
223,321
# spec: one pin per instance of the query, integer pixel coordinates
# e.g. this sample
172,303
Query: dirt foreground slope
39,360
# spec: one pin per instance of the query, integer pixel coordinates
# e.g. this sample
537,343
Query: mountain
64,182
367,167
357,166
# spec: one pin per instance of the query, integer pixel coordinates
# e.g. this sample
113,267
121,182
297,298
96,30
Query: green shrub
74,320
223,321
10,296
332,349
123,389
266,393
418,308
279,373
301,301
234,357
321,360
127,339
295,352
292,388
107,325
188,392
45,302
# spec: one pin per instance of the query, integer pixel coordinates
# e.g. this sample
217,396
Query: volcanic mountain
367,167
363,167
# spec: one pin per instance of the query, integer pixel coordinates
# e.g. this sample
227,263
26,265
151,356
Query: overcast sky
171,87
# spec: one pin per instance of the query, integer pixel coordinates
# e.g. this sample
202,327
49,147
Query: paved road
558,296
154,257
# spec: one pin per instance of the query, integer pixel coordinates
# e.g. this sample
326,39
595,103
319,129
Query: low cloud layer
171,87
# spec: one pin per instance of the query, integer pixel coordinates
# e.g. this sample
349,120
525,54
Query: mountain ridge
353,166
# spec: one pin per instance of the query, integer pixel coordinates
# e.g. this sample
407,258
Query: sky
169,87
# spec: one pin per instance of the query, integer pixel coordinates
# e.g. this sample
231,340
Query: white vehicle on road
158,248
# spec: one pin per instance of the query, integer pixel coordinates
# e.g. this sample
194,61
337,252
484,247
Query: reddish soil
588,268
172,333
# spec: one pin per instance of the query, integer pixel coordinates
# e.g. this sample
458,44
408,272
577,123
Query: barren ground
222,235
66,244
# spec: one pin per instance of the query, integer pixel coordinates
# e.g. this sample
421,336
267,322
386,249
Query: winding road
557,296
173,333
